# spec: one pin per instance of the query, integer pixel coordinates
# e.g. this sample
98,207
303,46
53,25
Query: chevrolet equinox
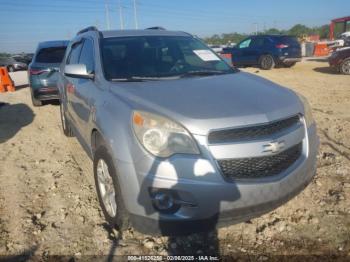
180,141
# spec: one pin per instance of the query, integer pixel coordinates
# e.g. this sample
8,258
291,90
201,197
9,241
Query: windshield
51,55
157,57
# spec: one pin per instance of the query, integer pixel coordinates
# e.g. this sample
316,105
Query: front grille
259,167
252,132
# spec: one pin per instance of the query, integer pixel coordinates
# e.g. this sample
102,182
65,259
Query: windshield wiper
141,78
129,79
203,73
155,78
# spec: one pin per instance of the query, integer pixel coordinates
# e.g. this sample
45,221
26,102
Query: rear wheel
67,130
266,62
289,64
345,67
108,189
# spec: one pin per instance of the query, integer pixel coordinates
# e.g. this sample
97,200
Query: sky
24,23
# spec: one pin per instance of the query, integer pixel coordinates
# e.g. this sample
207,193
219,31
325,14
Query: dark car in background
42,73
340,60
12,64
267,51
23,58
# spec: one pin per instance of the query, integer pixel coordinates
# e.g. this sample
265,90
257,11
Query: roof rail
155,28
90,28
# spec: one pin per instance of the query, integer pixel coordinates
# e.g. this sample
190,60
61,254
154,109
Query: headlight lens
161,136
309,119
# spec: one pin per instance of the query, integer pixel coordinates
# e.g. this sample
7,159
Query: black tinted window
50,55
288,40
87,56
258,42
73,57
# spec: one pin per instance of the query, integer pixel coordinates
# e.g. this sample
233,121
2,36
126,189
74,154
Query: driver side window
245,43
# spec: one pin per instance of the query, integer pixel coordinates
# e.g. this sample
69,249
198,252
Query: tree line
298,30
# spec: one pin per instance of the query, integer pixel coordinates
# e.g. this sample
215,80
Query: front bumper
210,201
334,61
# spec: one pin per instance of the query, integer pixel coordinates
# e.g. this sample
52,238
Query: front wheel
108,190
266,62
67,130
345,67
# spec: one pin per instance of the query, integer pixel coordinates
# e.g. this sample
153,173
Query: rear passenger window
245,43
87,56
258,42
73,57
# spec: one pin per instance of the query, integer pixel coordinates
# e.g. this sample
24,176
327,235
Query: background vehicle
24,58
267,51
180,141
340,60
43,69
12,64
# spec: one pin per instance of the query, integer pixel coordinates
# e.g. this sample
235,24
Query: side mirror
77,71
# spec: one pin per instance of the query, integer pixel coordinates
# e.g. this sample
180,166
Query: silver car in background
180,141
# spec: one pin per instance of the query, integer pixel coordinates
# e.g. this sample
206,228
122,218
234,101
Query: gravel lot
48,204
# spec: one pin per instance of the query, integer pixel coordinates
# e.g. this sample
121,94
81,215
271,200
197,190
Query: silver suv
180,141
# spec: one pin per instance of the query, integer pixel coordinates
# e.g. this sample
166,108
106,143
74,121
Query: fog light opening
163,201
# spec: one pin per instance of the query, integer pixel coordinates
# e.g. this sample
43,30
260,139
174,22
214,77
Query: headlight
161,136
309,119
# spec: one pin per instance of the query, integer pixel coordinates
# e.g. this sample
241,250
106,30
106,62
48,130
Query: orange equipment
6,83
321,49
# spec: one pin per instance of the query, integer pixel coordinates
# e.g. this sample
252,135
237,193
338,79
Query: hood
205,103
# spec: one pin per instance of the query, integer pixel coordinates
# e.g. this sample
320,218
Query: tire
67,130
10,69
290,64
36,102
120,219
344,67
266,62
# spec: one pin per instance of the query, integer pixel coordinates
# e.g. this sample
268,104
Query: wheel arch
96,139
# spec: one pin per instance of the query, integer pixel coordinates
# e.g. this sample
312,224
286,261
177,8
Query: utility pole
256,28
121,14
135,16
107,16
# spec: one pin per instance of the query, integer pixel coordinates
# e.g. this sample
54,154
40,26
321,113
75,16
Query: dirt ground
48,204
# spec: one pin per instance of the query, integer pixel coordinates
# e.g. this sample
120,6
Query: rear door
85,90
43,71
256,49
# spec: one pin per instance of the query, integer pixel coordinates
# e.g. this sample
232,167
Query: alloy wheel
346,67
106,186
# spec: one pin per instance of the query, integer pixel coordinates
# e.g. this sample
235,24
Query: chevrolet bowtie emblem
274,146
